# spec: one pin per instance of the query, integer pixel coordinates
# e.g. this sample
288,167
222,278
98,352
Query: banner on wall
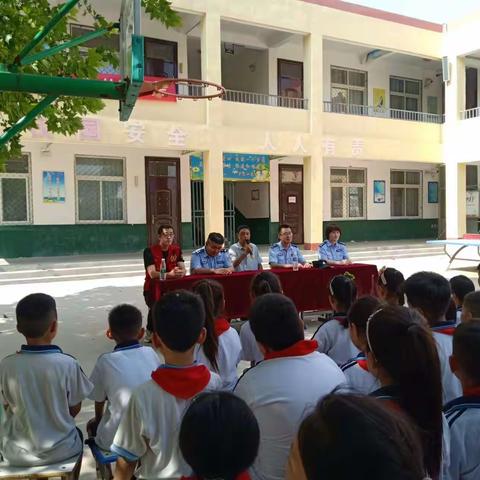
53,187
379,99
237,167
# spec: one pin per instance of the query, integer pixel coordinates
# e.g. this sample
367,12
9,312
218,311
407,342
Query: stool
103,459
64,470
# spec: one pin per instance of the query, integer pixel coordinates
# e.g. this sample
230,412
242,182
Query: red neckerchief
182,383
303,347
472,392
445,329
221,326
362,363
242,476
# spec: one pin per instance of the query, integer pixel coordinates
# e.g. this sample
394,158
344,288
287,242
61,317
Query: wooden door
291,199
162,176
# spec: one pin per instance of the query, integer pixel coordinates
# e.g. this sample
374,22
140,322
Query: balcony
371,111
470,113
265,99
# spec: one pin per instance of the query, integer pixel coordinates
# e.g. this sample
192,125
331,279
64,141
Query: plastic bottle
163,270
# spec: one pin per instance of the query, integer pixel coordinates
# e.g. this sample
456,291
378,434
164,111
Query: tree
21,20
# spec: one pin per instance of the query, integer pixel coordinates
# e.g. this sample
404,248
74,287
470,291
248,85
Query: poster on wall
432,192
379,191
473,203
196,167
53,187
379,99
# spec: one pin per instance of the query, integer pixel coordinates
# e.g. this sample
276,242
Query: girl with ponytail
390,286
222,348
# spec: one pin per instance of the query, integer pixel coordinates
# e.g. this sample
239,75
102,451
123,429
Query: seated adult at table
245,255
284,253
212,258
331,250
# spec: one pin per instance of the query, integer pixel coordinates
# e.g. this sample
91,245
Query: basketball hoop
183,88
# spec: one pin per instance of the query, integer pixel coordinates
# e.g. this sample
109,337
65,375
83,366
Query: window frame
28,190
404,186
345,193
349,87
161,41
100,179
405,95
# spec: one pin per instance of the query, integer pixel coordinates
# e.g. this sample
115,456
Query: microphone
248,243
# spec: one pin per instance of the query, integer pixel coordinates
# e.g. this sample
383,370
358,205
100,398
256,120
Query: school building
333,113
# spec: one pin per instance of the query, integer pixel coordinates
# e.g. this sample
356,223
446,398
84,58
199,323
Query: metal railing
265,99
470,113
370,111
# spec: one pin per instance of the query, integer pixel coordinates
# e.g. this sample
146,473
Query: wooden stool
64,470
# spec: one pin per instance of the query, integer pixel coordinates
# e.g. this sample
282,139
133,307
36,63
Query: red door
291,199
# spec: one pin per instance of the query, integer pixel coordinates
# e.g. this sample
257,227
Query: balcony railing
265,99
470,113
369,111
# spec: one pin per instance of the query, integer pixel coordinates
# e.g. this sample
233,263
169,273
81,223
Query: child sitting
219,437
463,413
471,307
42,390
222,349
359,379
148,430
332,336
116,374
390,286
460,285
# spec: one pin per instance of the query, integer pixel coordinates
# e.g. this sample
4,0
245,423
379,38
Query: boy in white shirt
42,391
147,436
116,374
281,389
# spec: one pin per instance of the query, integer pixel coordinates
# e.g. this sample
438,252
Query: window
15,191
111,41
100,189
405,94
405,193
348,191
160,58
472,177
348,90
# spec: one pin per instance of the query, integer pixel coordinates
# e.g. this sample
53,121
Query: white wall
252,208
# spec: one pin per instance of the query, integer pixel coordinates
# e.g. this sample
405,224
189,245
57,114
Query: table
460,243
308,288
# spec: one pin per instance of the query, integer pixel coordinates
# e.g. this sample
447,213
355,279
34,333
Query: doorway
291,198
163,195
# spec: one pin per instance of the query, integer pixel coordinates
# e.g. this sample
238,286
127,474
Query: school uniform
149,429
359,379
443,334
280,391
115,375
39,384
250,350
333,339
459,315
228,355
463,416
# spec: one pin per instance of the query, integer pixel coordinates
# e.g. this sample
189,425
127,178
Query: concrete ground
86,288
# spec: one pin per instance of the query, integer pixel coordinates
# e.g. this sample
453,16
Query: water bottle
295,264
163,270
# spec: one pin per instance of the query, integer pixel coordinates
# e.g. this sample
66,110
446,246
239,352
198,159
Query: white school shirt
463,416
149,431
39,384
228,357
115,375
250,350
359,380
280,392
334,340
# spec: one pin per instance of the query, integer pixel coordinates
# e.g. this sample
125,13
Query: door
471,93
291,198
290,81
163,195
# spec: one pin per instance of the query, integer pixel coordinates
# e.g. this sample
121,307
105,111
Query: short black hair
361,310
430,292
284,225
461,285
243,227
466,348
163,227
216,238
178,319
332,228
35,313
219,436
125,321
274,321
471,302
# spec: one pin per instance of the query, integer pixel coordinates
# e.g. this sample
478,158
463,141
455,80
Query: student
463,413
42,390
460,285
430,294
279,389
116,374
359,379
148,431
332,336
222,348
262,283
402,354
219,437
471,307
390,286
349,436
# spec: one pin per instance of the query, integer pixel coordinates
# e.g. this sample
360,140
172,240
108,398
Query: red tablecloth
307,288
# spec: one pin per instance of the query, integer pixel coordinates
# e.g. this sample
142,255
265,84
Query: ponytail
343,289
393,281
263,283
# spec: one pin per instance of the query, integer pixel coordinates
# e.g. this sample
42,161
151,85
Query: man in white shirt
244,254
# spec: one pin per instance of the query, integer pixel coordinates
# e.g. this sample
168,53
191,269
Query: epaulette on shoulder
198,250
341,243
274,245
224,250
324,243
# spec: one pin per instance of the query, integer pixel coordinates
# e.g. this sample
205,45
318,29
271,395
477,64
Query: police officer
212,258
331,250
284,253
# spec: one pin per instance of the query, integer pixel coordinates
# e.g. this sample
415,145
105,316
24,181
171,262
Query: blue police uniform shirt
201,259
330,251
284,256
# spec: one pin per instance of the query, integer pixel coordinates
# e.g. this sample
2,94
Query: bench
66,470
